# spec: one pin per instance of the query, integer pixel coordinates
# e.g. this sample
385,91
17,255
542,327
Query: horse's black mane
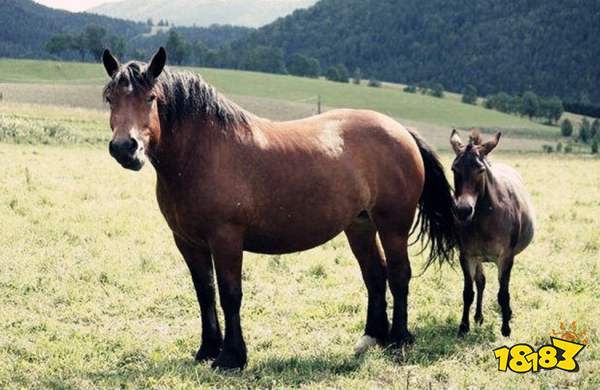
184,94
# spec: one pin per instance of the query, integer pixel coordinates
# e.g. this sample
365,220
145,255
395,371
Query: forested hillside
548,46
26,28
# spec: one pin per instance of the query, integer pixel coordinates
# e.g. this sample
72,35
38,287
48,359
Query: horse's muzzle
127,152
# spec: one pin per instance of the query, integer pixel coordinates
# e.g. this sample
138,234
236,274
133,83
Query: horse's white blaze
331,139
364,344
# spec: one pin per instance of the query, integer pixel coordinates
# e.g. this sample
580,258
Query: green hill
392,101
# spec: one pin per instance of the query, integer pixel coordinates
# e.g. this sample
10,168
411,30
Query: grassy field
93,293
77,80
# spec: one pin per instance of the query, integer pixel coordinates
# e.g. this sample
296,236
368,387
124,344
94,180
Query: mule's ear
487,147
456,143
157,63
111,64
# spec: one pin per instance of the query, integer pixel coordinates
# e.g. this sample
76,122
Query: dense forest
548,46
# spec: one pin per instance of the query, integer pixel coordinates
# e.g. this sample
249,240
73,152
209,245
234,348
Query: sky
73,5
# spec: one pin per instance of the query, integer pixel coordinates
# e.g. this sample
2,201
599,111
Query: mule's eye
150,98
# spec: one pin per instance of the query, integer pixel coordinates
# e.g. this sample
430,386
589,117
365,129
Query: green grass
93,293
392,101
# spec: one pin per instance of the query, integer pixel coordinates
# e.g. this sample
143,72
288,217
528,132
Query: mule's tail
435,222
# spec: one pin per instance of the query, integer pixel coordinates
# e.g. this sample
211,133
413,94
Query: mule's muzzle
127,152
464,212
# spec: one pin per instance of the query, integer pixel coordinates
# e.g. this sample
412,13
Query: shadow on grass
436,340
285,371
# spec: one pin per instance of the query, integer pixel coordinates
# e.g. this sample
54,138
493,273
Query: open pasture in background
94,294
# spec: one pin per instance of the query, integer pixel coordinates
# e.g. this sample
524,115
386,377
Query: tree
59,44
344,75
78,43
470,95
150,22
584,130
266,59
551,109
356,76
437,90
93,37
530,105
410,89
177,48
332,73
301,65
117,45
595,130
566,128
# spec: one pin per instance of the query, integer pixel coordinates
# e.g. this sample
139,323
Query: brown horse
229,181
495,221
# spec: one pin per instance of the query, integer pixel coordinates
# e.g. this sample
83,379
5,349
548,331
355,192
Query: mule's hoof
208,352
463,330
230,360
401,341
505,330
364,344
478,319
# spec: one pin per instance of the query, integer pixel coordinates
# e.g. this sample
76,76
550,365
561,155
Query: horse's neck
490,199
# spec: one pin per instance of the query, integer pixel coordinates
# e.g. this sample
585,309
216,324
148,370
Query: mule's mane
181,94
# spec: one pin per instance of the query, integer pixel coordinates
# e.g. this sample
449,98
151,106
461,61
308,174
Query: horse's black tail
435,222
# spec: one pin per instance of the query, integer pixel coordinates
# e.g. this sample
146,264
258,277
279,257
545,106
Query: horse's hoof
505,330
463,330
365,343
208,352
230,360
478,319
401,341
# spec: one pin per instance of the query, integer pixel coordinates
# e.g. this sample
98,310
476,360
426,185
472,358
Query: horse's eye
108,100
150,98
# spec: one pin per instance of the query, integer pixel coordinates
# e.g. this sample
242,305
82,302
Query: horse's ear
487,147
111,64
456,143
157,63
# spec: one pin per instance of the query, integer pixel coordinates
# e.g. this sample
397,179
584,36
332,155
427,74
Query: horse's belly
293,237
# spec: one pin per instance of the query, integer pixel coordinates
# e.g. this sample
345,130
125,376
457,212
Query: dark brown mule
495,221
229,181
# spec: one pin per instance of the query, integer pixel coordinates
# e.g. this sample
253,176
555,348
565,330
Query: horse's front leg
226,244
199,262
468,270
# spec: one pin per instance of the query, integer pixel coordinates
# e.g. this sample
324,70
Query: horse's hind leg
480,283
504,268
362,238
468,268
395,245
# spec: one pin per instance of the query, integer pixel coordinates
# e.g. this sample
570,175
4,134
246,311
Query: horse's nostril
133,145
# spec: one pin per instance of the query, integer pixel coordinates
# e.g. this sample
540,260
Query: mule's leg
480,283
227,247
504,268
395,245
362,238
199,262
468,272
